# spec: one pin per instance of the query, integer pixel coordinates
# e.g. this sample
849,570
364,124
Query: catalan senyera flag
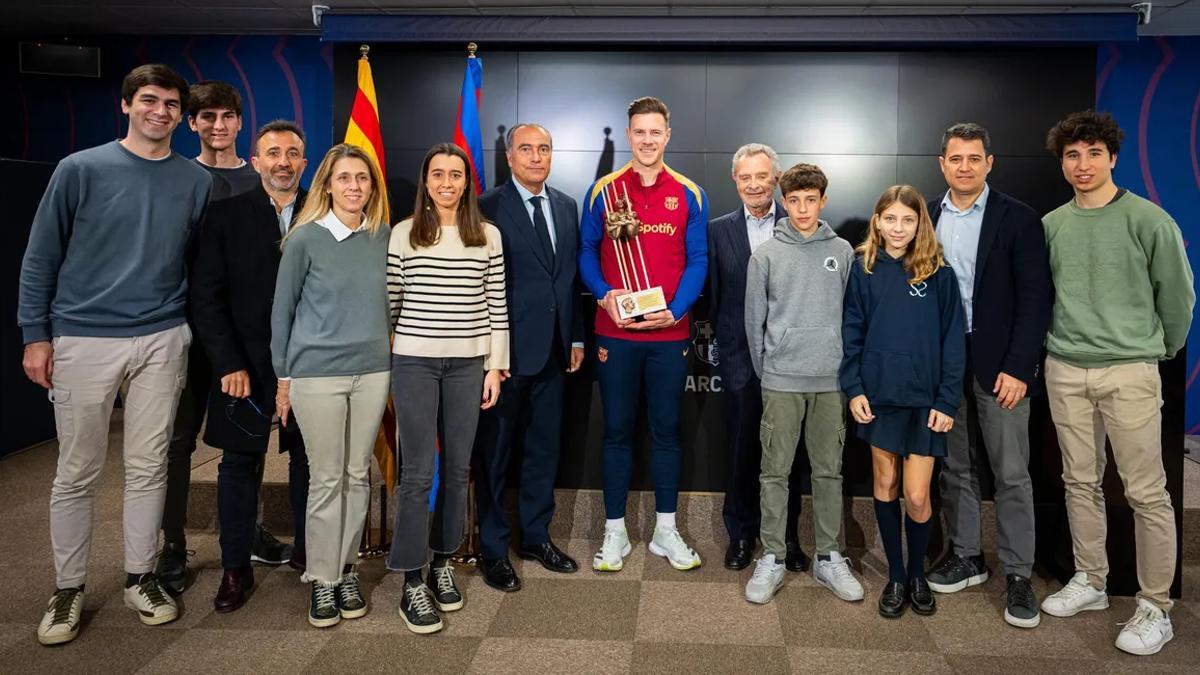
466,124
364,131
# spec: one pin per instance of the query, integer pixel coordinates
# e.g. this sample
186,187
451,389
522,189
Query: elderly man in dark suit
731,239
539,227
233,286
997,248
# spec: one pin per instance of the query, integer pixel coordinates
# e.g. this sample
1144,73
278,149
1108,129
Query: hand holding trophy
623,227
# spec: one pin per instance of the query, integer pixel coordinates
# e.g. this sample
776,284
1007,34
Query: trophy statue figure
623,227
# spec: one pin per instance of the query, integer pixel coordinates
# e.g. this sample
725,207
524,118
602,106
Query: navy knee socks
887,514
918,542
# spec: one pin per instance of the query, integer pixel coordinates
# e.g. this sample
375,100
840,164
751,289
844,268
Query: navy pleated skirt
903,432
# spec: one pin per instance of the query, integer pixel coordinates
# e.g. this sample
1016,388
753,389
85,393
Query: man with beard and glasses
233,285
215,114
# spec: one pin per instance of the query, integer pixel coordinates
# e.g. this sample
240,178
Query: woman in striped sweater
446,285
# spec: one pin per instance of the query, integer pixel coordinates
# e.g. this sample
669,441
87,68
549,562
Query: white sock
614,525
665,521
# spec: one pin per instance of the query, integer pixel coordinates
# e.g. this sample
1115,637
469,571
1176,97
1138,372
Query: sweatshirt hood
789,235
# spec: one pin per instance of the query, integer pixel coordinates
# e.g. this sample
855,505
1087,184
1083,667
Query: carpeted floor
647,618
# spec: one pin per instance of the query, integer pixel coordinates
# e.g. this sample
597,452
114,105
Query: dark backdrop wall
869,119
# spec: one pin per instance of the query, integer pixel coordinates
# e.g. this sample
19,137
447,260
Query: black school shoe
795,560
920,596
892,600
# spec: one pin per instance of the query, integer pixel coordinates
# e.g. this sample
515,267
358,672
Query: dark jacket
728,258
542,294
232,289
1012,292
903,344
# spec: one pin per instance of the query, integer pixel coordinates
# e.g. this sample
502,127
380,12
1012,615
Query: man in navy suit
997,248
539,227
731,239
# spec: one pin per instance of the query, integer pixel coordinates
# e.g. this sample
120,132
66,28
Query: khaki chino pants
1128,398
88,373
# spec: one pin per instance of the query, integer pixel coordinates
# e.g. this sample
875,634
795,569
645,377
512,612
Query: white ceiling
76,17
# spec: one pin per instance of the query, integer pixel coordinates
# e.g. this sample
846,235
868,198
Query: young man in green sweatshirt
1123,303
794,288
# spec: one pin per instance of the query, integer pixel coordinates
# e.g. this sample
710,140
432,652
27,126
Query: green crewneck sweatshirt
1123,285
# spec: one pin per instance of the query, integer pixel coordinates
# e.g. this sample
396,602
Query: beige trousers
1127,398
88,373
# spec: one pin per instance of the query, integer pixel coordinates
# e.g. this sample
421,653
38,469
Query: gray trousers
421,387
88,373
1005,436
341,422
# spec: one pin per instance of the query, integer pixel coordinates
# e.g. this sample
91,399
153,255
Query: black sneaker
417,609
921,597
268,550
323,607
954,573
1021,608
171,567
445,593
350,599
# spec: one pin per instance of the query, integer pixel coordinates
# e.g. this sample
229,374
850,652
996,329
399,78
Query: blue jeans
622,366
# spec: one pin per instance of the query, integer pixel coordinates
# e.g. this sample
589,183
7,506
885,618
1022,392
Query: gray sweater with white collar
330,315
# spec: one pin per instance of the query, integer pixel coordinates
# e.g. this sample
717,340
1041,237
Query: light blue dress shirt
760,230
958,231
284,215
526,195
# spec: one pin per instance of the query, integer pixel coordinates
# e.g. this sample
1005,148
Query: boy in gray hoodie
794,288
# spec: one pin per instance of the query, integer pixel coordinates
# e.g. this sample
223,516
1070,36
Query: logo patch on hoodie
831,264
918,290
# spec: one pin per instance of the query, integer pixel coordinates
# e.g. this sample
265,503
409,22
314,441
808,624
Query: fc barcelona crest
705,340
671,203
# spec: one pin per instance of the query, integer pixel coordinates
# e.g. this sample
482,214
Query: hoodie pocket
807,352
890,378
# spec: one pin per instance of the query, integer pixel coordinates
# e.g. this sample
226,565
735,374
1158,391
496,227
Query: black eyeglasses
244,412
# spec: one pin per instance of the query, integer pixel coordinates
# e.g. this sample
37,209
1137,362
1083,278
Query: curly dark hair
803,177
1088,126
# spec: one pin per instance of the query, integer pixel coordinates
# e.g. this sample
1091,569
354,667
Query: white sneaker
835,575
1147,632
150,600
669,544
1077,596
61,621
766,580
611,556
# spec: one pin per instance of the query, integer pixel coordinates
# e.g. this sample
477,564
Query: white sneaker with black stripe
150,600
61,621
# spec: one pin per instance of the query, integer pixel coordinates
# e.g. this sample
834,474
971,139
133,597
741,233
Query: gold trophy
623,226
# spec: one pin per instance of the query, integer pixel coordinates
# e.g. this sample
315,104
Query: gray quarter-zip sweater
794,289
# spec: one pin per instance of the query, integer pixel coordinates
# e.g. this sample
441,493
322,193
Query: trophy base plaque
637,303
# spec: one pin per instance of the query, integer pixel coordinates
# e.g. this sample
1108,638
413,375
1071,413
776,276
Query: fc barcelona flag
364,131
466,131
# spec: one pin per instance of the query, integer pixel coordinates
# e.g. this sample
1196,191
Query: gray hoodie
794,289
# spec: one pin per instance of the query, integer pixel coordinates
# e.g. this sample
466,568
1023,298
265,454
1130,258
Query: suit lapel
562,233
993,213
740,238
519,217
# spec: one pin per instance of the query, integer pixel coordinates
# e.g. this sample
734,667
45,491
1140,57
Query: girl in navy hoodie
902,369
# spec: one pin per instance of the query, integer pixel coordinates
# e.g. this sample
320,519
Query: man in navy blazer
731,239
539,227
997,248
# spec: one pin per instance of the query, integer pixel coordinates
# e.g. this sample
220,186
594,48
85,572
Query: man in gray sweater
794,289
103,287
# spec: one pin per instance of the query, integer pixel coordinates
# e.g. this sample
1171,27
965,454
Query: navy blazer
728,258
1012,292
541,293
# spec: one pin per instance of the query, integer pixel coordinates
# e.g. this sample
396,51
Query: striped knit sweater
448,300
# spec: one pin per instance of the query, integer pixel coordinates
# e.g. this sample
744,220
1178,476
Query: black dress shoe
795,561
738,555
892,600
551,557
500,575
235,584
920,595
